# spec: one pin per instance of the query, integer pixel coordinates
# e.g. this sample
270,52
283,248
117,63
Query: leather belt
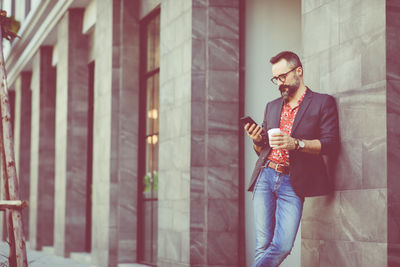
278,167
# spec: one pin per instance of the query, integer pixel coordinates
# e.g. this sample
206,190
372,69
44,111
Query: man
290,165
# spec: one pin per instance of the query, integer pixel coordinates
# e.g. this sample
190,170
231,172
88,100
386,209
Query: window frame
143,76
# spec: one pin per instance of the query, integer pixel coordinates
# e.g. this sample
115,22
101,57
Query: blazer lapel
276,117
302,109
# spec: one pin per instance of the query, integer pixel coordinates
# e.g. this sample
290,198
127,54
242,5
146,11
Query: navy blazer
317,118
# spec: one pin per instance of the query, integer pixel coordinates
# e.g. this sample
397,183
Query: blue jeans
277,214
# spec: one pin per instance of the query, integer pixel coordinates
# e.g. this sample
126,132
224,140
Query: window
148,139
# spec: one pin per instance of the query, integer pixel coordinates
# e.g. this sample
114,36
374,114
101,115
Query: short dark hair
290,57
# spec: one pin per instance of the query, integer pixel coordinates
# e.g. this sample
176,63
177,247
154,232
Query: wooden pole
9,165
12,260
13,204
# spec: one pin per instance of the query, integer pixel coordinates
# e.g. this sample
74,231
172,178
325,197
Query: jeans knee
283,250
273,256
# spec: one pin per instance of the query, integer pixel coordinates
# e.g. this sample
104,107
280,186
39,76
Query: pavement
40,258
46,258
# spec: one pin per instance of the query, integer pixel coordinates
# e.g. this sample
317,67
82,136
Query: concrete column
199,133
20,7
115,132
71,135
41,209
22,139
175,136
128,131
105,182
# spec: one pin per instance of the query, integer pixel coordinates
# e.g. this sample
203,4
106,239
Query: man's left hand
282,140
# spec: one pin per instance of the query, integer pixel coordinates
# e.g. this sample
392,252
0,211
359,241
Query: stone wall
199,152
344,55
128,132
115,132
41,204
71,135
174,144
105,181
214,191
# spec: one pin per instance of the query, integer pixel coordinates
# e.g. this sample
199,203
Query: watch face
301,144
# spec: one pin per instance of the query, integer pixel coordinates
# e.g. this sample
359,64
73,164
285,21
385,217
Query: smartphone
247,119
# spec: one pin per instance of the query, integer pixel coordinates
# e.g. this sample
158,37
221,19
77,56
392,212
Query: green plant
150,181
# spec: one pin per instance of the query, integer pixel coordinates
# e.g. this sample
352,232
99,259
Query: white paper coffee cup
271,132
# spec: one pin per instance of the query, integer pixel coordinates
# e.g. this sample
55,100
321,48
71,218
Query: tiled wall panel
350,228
199,77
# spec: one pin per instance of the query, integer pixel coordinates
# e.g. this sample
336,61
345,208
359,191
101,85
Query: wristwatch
301,144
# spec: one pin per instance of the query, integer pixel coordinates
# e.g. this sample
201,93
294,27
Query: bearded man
290,166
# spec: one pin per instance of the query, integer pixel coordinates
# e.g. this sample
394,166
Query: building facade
127,137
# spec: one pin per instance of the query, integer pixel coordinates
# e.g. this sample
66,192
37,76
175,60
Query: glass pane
148,179
155,164
152,104
149,106
150,233
152,120
151,177
156,102
153,44
150,48
157,43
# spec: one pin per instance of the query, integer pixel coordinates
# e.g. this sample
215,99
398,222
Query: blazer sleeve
329,127
264,141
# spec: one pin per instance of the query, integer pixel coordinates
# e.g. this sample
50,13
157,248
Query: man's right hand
254,132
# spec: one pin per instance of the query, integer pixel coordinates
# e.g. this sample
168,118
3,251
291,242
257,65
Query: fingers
253,131
259,131
256,132
250,128
282,141
277,140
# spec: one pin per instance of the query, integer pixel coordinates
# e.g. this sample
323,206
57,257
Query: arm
257,149
254,131
329,127
258,134
285,141
311,146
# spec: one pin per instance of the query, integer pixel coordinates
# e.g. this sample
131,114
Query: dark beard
287,91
